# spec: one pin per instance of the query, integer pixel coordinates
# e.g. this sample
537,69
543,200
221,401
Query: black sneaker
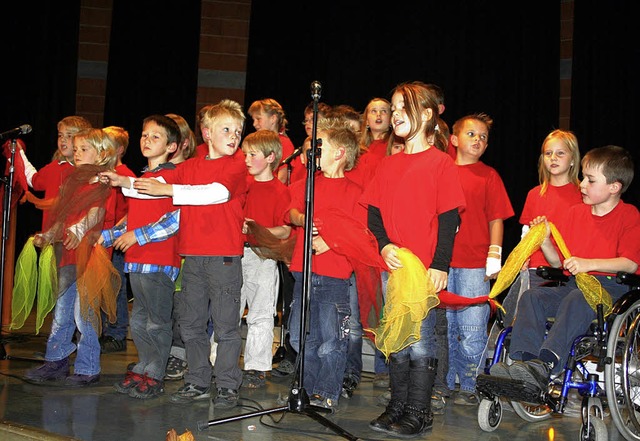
189,393
49,371
226,398
500,369
349,385
175,368
284,369
535,372
130,381
79,380
109,344
147,388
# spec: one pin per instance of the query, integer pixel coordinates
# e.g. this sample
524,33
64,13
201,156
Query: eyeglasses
307,121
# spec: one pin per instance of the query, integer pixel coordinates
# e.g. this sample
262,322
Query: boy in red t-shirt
151,260
211,190
477,252
603,236
328,329
267,202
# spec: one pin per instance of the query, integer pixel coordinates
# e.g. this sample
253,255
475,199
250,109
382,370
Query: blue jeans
327,339
151,326
572,313
354,354
118,330
66,318
467,327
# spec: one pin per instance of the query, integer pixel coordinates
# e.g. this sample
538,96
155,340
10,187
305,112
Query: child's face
257,164
472,140
399,120
83,152
262,120
557,157
153,140
379,117
308,123
594,187
223,137
65,141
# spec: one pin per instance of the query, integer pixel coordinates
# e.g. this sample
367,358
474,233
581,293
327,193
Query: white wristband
493,266
525,230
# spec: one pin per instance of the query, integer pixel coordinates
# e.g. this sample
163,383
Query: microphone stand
298,400
7,181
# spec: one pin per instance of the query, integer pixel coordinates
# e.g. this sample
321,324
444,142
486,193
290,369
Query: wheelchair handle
632,280
551,273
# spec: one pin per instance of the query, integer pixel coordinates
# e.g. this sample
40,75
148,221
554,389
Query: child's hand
124,242
245,227
319,245
539,220
39,240
439,278
151,186
70,241
390,256
576,265
114,179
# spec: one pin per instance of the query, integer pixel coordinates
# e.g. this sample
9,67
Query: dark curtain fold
605,92
39,52
153,66
487,58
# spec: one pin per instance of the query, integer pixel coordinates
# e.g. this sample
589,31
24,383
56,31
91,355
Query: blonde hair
266,142
224,107
74,124
366,138
339,133
270,107
570,142
120,136
103,143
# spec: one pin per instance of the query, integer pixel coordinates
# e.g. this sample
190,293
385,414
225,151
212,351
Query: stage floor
98,413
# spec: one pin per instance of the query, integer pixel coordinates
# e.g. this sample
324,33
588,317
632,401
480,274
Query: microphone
297,152
22,130
316,88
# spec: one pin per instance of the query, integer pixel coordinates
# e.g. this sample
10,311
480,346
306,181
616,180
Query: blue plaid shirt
162,229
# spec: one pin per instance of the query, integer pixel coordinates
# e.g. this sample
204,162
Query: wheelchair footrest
515,390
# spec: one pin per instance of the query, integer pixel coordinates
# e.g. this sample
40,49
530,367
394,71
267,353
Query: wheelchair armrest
632,280
551,273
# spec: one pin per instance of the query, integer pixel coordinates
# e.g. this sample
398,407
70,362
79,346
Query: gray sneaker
226,398
190,393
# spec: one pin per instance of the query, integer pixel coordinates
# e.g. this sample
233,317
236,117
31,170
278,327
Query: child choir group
208,235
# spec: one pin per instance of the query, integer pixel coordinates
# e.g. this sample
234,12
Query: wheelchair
610,346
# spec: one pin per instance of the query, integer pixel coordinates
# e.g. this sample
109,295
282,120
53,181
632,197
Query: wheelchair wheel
622,375
531,412
490,414
595,430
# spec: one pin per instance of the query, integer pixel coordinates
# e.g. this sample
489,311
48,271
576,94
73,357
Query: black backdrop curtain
504,62
153,66
39,53
605,105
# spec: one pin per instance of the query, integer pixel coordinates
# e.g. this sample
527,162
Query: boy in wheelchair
603,236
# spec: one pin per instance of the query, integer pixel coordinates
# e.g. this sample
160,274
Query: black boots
417,416
399,383
391,415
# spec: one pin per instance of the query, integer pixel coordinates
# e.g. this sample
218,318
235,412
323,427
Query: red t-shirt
411,191
143,212
49,179
267,203
340,193
616,234
487,200
554,204
212,230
